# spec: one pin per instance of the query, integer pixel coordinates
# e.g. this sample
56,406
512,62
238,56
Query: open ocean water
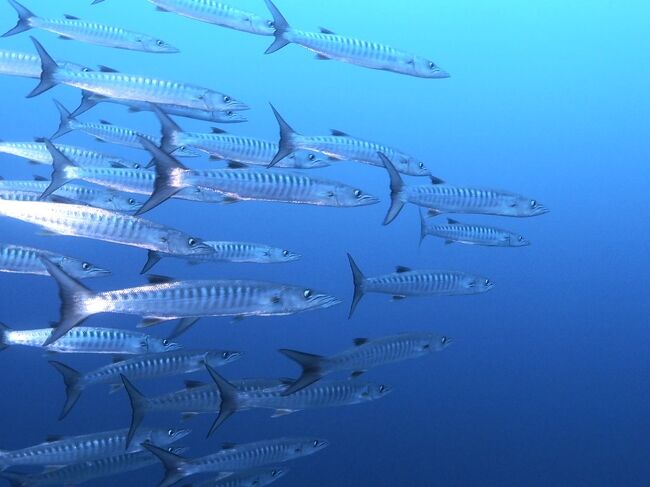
546,381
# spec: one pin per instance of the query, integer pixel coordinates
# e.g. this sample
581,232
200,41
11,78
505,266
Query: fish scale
471,234
16,63
28,260
37,152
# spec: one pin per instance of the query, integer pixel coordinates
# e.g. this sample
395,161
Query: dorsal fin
40,140
156,279
237,165
339,133
401,268
228,445
217,130
451,221
323,30
359,341
193,384
37,177
435,180
107,69
51,438
71,17
105,122
117,165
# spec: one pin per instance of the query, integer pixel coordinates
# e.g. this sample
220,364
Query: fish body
77,449
456,232
254,478
328,45
88,340
114,84
365,355
246,252
218,13
71,27
441,198
341,146
20,259
14,63
38,153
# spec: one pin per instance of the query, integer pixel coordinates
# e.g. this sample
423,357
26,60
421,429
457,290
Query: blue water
547,379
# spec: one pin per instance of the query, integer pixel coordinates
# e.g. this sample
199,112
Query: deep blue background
547,380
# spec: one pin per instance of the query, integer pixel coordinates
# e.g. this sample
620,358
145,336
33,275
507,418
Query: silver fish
38,153
218,13
365,355
328,45
455,231
89,100
441,198
88,340
234,148
14,63
20,259
406,282
236,458
165,300
72,27
131,87
72,193
196,398
107,132
243,252
148,366
90,470
242,185
342,146
254,478
77,449
325,394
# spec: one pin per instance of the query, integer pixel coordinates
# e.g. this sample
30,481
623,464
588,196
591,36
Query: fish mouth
173,346
231,118
238,106
322,301
292,257
202,249
100,272
368,199
180,434
540,210
440,74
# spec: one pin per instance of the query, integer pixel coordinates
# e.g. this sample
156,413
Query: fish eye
432,65
136,166
487,282
316,443
160,42
170,433
230,113
285,253
170,449
357,193
270,23
311,157
274,473
275,299
226,99
86,70
131,201
521,238
165,342
225,355
307,293
382,388
533,203
191,242
443,340
85,266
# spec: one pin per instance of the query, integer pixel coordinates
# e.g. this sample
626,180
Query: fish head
346,196
275,254
375,391
260,25
186,151
221,102
81,269
265,477
307,160
307,446
516,240
160,436
151,44
411,166
120,202
477,284
217,358
522,206
292,299
178,243
74,67
160,345
228,116
425,68
434,343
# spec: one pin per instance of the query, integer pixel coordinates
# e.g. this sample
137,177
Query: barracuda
14,63
20,259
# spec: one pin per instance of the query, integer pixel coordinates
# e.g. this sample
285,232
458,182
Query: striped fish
149,366
218,13
328,45
254,478
14,63
341,146
131,87
165,300
107,132
78,449
242,185
38,153
88,340
366,354
72,27
86,471
322,395
245,252
222,145
20,259
236,458
406,282
73,193
456,232
89,100
449,199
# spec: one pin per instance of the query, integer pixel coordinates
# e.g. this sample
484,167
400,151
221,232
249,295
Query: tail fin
59,165
280,25
358,278
168,128
166,165
138,403
423,227
287,139
48,70
3,330
72,389
65,120
229,399
396,186
172,463
15,479
23,19
88,100
73,297
311,369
